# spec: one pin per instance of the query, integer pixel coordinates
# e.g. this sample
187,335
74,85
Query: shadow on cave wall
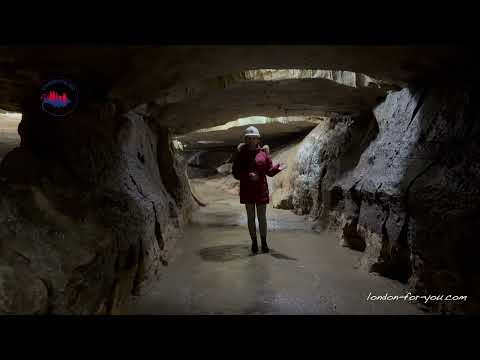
442,197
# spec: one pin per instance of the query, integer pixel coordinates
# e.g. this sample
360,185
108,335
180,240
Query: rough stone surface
410,199
342,77
225,169
207,159
274,132
156,71
293,97
20,291
204,163
92,204
281,185
88,213
139,75
314,162
9,137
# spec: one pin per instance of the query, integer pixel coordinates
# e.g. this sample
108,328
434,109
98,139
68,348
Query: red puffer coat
259,162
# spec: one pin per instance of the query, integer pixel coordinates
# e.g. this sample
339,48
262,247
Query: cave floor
213,271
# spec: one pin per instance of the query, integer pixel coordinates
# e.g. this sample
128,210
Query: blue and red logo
59,97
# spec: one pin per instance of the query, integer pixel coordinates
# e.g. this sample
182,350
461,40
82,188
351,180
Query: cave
98,204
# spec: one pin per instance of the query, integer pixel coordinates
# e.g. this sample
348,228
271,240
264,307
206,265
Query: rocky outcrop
225,169
92,204
9,137
281,185
160,71
342,77
204,163
438,156
408,197
138,75
331,149
274,131
91,207
280,98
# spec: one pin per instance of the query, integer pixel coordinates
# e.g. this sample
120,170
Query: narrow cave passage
214,271
131,194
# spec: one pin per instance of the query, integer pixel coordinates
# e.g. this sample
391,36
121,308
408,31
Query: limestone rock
281,185
92,205
9,137
88,214
274,131
283,98
405,194
20,291
205,163
225,169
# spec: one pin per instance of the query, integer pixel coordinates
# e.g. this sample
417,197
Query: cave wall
416,194
328,151
204,163
91,205
281,185
406,193
90,210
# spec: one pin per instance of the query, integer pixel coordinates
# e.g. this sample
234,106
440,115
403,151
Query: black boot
254,245
265,248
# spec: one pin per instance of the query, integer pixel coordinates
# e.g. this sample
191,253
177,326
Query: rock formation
92,203
91,206
275,131
405,193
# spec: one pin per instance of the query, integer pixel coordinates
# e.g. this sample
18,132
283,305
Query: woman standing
251,165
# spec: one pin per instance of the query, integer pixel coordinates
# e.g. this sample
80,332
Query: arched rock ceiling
137,75
229,135
292,97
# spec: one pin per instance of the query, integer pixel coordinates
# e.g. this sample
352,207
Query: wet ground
213,271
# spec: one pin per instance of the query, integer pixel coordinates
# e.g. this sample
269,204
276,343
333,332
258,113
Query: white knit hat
252,131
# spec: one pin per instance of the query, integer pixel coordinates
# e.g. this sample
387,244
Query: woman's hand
282,167
253,176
